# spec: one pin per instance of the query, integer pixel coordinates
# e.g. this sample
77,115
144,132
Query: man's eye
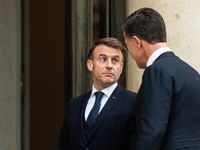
115,60
102,59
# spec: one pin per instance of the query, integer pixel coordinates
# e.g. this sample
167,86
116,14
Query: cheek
98,69
118,70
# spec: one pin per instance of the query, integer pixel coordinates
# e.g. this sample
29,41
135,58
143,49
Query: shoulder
128,98
127,93
79,99
76,103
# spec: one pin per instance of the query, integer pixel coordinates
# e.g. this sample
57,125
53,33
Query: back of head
111,42
147,24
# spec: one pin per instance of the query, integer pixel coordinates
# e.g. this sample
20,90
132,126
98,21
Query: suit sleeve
64,135
132,137
154,102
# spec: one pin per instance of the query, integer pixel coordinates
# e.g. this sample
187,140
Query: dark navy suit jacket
113,129
167,108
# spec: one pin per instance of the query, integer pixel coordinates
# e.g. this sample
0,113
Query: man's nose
109,64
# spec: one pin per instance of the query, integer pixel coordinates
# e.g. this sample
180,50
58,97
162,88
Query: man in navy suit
113,129
167,107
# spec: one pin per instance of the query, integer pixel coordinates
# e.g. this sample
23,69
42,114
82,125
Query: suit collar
164,55
156,54
107,91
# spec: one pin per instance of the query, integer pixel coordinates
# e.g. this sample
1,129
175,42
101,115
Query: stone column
81,42
10,51
183,28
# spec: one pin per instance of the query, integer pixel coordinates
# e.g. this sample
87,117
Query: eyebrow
106,55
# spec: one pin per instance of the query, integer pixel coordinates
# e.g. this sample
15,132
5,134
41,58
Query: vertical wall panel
46,33
10,50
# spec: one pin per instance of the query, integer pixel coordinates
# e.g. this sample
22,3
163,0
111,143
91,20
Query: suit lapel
80,119
112,101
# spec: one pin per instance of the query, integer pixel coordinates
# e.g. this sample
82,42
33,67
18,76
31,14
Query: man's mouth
108,74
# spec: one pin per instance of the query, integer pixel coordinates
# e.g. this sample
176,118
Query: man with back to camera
105,123
167,106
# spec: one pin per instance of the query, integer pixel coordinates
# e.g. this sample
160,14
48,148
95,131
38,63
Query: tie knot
99,95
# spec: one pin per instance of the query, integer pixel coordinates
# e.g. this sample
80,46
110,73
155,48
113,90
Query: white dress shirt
107,93
156,54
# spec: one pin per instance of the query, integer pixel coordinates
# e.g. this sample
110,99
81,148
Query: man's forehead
106,49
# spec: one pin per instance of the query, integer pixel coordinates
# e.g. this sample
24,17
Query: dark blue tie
95,110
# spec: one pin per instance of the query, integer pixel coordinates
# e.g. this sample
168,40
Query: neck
151,48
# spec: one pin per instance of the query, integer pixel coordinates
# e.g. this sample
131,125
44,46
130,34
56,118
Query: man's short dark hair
147,24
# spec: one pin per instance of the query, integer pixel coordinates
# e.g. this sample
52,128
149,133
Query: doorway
53,61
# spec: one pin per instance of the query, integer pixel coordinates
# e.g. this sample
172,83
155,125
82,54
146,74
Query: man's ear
90,65
122,65
138,41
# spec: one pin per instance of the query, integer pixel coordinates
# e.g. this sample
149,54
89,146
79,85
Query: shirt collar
156,54
107,91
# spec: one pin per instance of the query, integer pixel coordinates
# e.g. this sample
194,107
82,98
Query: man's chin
109,81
